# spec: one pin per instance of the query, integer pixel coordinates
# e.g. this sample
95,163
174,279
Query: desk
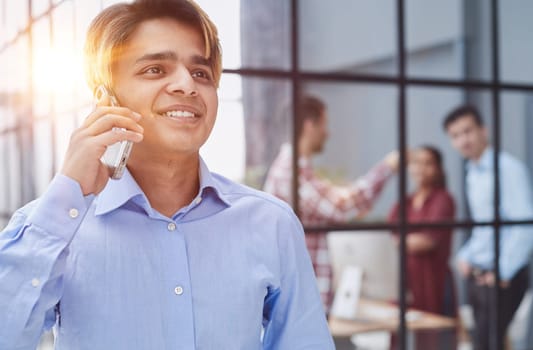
382,316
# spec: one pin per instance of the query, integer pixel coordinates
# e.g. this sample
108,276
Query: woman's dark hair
440,181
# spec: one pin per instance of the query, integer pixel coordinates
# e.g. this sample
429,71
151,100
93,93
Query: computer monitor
373,251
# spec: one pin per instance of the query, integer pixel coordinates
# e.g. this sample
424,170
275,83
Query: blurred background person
475,260
322,202
429,277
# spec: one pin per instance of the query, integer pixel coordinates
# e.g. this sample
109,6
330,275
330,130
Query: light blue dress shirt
229,271
516,242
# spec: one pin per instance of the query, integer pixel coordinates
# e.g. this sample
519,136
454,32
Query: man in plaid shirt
322,202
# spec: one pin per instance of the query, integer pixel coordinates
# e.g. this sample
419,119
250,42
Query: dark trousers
483,302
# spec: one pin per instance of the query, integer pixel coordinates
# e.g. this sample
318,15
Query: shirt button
35,282
73,213
178,290
198,200
171,226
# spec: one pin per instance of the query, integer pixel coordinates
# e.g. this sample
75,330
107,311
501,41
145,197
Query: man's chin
468,154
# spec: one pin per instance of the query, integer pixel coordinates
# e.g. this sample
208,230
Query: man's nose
182,83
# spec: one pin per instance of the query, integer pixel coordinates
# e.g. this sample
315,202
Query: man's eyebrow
158,56
172,56
197,59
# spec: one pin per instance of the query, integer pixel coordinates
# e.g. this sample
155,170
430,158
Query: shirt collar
119,192
485,161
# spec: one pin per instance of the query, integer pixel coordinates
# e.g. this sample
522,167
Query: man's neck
304,149
477,158
169,184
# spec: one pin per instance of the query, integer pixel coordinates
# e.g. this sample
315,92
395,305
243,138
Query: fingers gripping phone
116,155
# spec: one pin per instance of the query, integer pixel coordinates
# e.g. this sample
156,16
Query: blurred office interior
389,71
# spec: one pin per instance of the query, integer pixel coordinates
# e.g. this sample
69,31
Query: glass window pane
267,125
264,34
4,89
516,51
224,151
85,11
516,120
362,131
38,7
426,111
18,63
13,171
15,90
435,38
3,24
66,64
42,147
4,177
16,18
477,40
225,15
516,125
42,73
336,38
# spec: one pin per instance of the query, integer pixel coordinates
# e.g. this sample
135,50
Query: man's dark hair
310,108
462,112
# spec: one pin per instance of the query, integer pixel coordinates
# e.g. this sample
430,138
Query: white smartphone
116,155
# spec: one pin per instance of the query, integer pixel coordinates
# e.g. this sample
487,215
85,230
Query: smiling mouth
180,114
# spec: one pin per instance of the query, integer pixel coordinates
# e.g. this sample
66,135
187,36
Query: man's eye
153,70
201,74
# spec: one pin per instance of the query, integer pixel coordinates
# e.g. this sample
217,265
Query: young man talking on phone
171,256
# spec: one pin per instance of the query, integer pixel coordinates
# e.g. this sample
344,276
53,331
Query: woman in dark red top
429,278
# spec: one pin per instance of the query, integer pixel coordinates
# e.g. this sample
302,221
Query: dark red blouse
429,277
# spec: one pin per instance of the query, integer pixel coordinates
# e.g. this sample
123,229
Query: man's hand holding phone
104,126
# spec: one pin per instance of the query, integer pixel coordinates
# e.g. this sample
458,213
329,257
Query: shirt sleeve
325,202
33,251
373,181
516,240
295,318
322,201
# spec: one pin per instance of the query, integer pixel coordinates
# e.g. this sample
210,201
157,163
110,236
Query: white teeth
179,114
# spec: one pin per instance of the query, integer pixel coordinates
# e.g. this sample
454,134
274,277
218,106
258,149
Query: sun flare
56,70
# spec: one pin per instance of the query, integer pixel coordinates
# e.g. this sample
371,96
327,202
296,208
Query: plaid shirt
322,203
